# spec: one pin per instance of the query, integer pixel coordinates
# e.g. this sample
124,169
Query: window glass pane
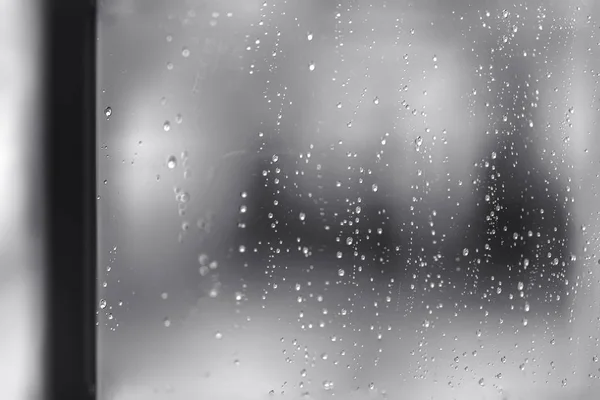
358,199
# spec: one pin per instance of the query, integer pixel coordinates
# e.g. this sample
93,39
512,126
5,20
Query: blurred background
21,238
354,199
302,199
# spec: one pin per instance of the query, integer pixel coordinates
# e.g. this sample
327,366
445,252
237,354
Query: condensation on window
348,199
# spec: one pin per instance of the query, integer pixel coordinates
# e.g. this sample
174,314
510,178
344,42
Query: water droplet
311,66
341,272
102,304
339,254
108,112
203,259
218,336
185,52
349,240
169,66
309,36
164,295
172,162
465,252
275,158
167,126
481,382
167,322
526,307
302,216
242,249
376,100
374,187
183,197
203,270
179,118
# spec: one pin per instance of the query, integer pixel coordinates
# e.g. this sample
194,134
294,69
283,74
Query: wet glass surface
354,199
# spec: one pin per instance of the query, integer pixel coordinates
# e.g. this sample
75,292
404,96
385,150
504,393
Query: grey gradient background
21,216
500,107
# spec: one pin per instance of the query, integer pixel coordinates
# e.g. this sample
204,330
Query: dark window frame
69,175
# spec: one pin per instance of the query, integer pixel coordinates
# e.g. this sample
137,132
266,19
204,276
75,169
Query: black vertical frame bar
70,179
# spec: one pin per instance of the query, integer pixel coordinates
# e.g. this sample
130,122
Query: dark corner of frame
69,169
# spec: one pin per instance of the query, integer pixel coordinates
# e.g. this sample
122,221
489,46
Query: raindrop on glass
203,259
203,270
172,162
